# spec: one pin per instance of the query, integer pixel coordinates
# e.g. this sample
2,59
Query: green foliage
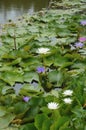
62,67
39,119
6,120
28,126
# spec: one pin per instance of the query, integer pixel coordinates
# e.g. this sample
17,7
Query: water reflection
10,9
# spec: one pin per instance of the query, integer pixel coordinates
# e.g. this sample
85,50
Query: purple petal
79,45
26,99
40,69
83,22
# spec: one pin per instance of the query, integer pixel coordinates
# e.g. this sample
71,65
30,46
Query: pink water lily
82,39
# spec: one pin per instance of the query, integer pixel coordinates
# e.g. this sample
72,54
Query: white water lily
43,50
53,105
68,92
67,100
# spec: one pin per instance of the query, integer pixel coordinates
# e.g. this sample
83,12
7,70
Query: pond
11,9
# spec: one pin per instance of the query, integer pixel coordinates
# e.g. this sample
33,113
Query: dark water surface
11,9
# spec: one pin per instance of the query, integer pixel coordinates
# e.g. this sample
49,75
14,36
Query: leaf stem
14,37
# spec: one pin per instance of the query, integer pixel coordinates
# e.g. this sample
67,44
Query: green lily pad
6,120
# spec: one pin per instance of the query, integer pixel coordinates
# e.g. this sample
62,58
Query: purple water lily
83,22
26,99
79,45
82,39
40,69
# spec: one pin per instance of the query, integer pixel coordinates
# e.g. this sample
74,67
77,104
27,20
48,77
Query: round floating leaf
2,111
55,76
46,124
29,76
39,119
61,121
11,77
6,120
29,126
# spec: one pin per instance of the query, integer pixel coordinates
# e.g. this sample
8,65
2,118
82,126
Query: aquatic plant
43,70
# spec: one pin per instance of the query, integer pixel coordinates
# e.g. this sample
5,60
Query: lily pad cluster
43,69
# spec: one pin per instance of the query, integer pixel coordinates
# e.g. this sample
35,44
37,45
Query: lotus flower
79,45
26,99
68,92
43,50
53,105
67,100
40,69
83,22
82,39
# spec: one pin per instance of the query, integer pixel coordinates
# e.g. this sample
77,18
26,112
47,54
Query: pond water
11,9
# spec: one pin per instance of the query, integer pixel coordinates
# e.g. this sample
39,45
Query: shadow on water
10,9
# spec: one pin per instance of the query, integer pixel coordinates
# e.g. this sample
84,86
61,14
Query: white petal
43,50
67,100
53,105
68,92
